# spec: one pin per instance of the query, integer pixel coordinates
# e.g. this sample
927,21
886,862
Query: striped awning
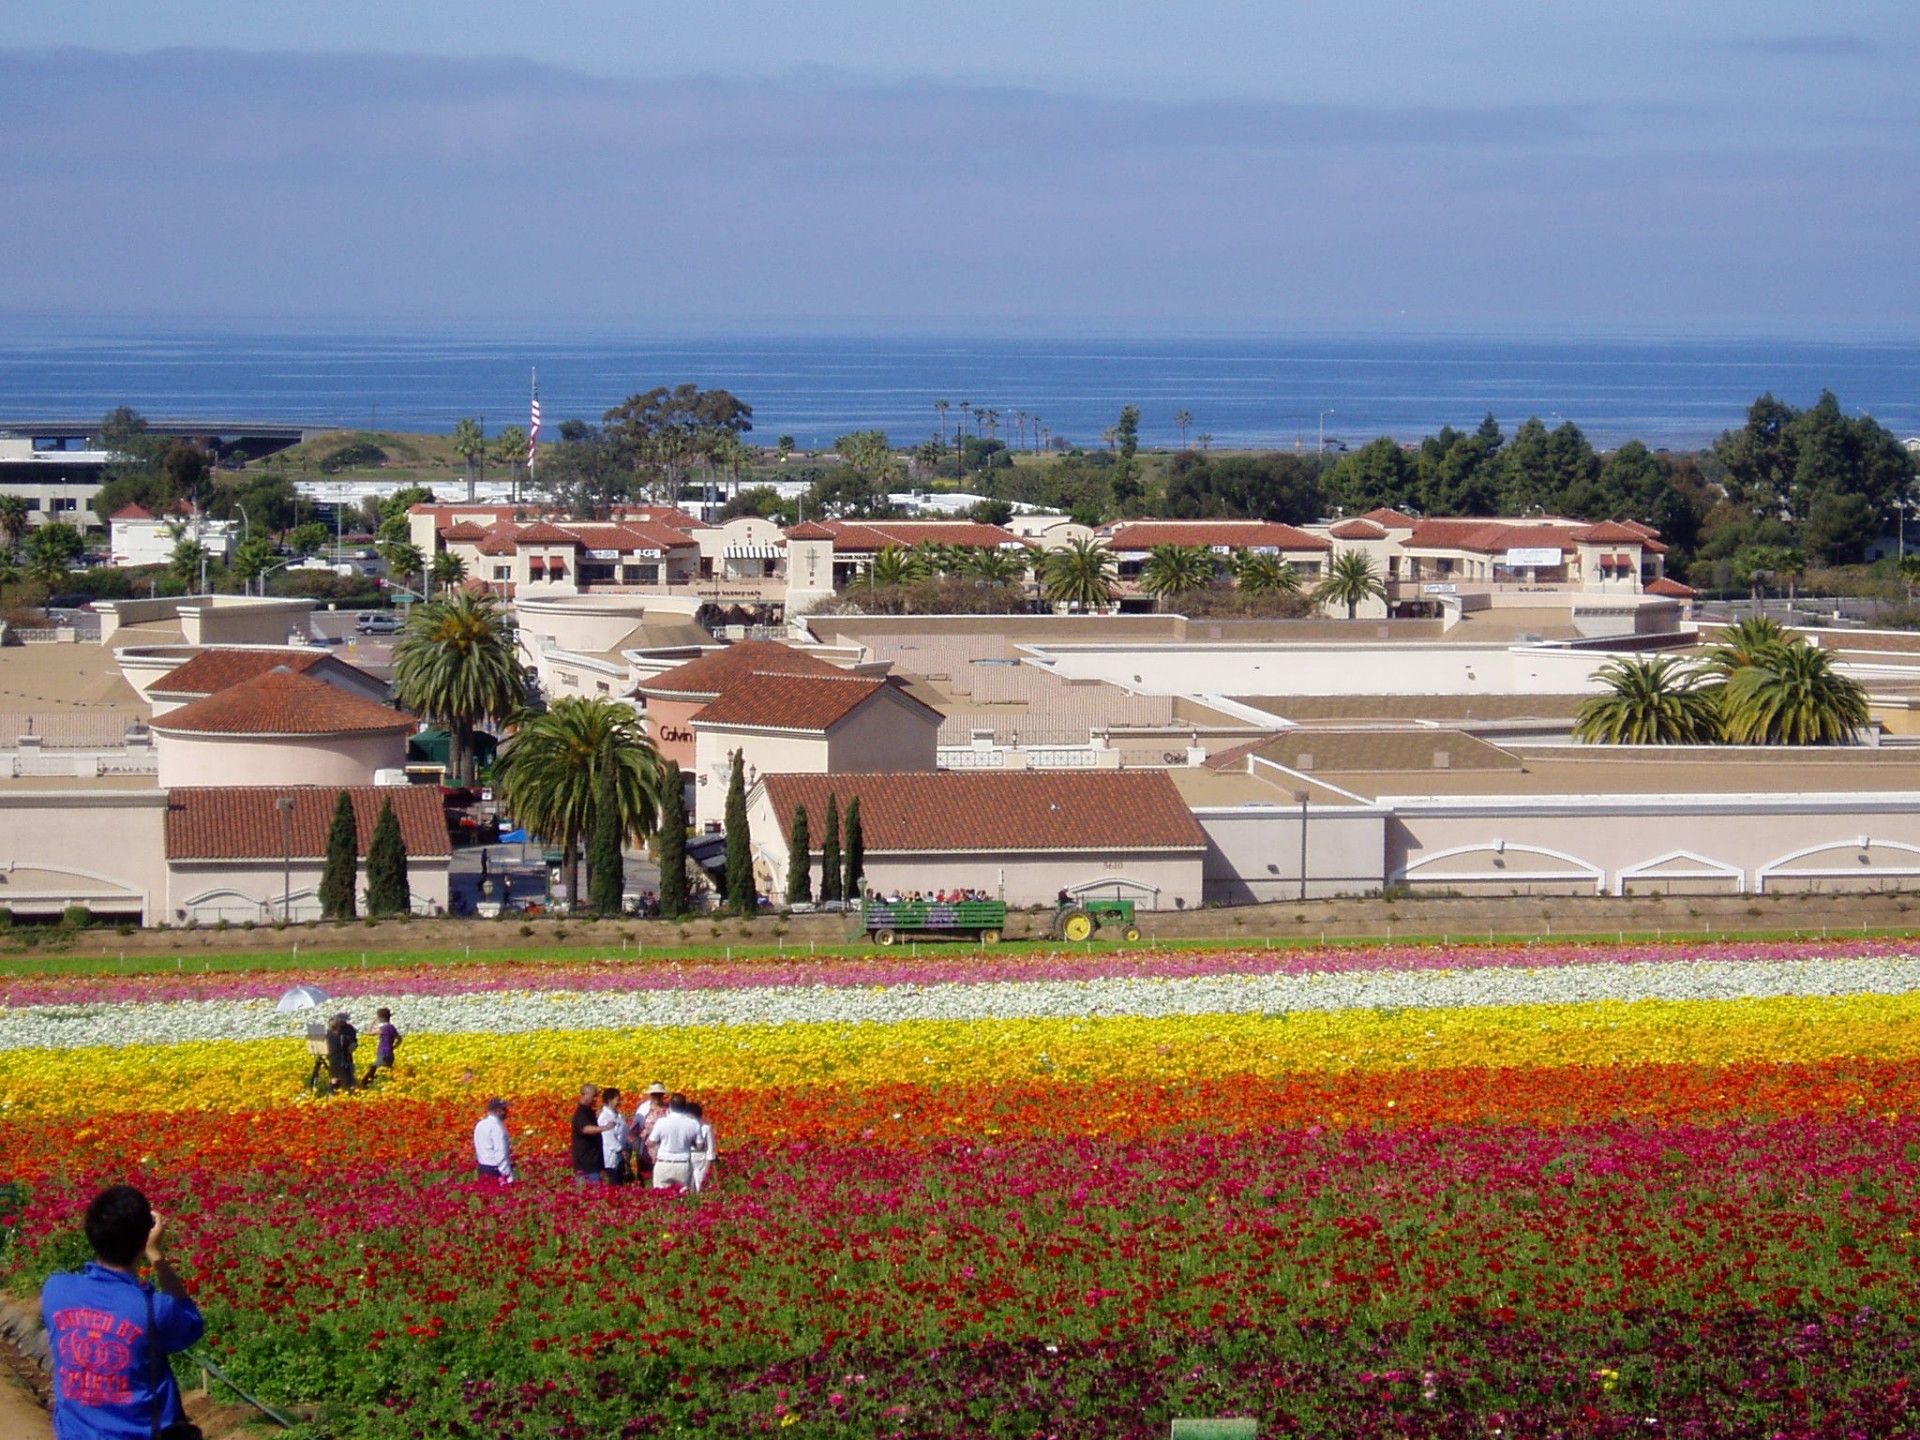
753,552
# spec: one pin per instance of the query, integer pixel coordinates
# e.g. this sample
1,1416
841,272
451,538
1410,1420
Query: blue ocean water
1243,391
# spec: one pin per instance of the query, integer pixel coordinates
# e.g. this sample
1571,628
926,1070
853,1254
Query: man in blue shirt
111,1332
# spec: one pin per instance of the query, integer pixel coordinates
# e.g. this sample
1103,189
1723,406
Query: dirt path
20,1417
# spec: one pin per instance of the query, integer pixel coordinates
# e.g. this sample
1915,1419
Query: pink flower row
935,968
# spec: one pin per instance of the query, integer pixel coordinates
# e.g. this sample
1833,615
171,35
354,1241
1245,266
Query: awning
754,552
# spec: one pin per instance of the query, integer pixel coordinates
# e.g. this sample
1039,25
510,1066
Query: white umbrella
301,997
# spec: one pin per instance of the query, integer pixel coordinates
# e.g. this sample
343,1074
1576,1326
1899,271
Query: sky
1717,166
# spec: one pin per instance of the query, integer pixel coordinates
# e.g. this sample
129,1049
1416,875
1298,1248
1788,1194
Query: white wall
1364,668
237,760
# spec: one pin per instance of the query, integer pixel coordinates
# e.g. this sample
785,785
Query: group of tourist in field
664,1142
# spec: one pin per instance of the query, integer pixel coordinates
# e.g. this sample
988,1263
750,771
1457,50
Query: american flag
533,430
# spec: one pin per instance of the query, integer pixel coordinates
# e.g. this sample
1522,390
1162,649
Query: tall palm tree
896,565
455,665
1079,573
449,570
1792,696
14,518
1661,701
1260,573
934,559
551,771
940,408
1175,570
1183,418
470,444
1349,580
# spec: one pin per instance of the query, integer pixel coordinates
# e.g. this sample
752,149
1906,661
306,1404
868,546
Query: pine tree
341,876
387,892
606,867
830,854
673,844
800,861
856,851
740,896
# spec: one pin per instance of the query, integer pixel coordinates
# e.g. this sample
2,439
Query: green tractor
1078,919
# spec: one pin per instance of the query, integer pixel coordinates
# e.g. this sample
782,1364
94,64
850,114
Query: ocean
1242,391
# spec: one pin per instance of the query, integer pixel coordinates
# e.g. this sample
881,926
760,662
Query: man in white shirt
613,1136
492,1151
675,1137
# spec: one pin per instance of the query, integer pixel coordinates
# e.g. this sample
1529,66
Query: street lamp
1300,799
1323,429
284,804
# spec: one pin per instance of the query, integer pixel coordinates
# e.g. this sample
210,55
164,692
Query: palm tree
455,665
1264,573
449,570
550,774
935,559
1792,696
1079,573
1174,570
940,408
1204,441
1183,418
996,566
14,518
404,560
470,444
895,565
1662,701
1350,579
1747,642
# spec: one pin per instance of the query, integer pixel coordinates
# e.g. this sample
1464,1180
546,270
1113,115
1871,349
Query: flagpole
533,430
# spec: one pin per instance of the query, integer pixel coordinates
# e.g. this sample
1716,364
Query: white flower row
133,1024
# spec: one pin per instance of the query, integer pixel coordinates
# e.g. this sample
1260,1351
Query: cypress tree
856,851
607,867
800,860
740,895
830,854
387,892
342,873
673,843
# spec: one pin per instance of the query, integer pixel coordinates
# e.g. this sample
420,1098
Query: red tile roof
132,512
1358,530
712,673
812,704
670,516
1488,537
212,671
1672,589
1391,518
1143,535
242,823
464,530
542,532
500,540
1608,532
809,530
1001,810
282,703
861,536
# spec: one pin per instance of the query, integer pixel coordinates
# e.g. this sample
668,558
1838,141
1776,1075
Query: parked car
378,622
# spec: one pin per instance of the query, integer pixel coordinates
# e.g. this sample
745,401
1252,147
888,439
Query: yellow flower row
252,1075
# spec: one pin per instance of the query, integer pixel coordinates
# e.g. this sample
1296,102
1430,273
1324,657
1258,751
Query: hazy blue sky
1718,164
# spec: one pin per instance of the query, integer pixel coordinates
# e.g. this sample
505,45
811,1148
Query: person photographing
109,1332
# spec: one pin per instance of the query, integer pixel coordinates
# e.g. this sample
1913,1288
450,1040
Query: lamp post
1323,429
1300,798
284,804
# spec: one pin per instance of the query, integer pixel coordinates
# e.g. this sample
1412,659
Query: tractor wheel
1131,933
989,937
883,937
1076,925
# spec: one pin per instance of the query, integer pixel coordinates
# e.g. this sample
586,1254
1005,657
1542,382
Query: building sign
1439,589
676,734
603,554
1532,559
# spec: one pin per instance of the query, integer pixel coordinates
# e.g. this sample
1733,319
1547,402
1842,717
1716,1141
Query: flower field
1396,1191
